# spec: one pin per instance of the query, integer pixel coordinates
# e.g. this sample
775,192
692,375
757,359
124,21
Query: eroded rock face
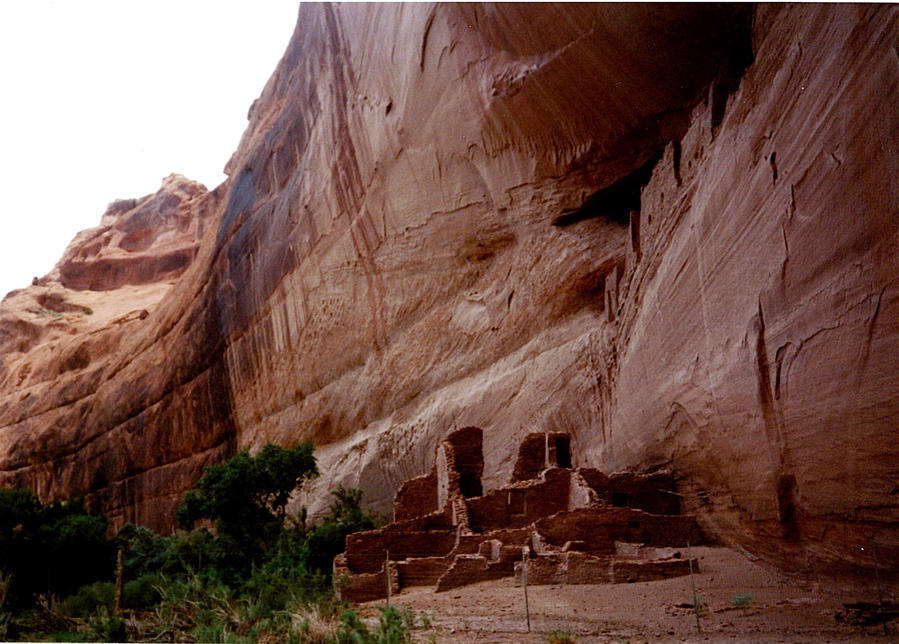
143,241
86,407
435,219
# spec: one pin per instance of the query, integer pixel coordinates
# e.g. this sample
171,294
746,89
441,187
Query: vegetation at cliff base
50,549
240,569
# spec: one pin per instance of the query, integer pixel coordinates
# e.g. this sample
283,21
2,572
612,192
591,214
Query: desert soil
782,609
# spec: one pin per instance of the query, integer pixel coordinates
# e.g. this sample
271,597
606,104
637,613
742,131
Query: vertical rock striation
757,347
529,218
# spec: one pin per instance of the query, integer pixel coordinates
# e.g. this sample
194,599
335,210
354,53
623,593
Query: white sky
102,100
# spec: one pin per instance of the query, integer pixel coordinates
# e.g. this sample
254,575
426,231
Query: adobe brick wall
514,537
460,464
600,528
471,569
539,451
365,551
570,518
425,571
545,570
624,572
363,587
516,506
416,498
469,459
586,569
574,568
648,492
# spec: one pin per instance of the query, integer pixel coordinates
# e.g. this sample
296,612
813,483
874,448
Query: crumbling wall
363,587
563,519
459,465
494,560
521,505
576,568
655,492
416,498
422,571
599,528
366,551
540,451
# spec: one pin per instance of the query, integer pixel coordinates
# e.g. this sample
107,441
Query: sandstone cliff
668,230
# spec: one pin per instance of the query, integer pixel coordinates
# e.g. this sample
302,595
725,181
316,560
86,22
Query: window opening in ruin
470,484
633,524
517,502
621,499
563,451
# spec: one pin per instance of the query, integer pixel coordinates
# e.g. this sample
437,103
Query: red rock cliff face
435,219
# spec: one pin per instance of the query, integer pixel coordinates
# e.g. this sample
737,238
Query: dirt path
781,610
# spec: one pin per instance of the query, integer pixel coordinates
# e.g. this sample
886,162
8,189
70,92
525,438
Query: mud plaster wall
599,530
417,497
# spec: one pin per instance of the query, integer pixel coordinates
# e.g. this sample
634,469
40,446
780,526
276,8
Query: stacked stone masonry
553,524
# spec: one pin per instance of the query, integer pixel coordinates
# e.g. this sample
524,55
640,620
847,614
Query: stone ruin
560,524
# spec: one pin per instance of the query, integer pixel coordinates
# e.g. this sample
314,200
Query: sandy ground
782,609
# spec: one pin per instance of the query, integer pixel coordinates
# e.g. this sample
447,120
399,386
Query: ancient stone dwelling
564,525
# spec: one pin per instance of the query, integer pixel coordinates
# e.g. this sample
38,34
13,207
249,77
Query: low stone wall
625,572
577,568
599,528
363,587
366,551
424,571
471,569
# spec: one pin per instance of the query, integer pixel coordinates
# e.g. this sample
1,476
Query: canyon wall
668,230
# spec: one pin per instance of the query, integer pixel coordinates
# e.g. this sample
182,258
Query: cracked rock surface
668,230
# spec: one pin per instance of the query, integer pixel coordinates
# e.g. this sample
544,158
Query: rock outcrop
669,231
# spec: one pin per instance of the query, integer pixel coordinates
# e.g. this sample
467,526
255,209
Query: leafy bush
51,549
247,496
326,541
393,628
89,599
560,637
742,600
260,575
143,593
107,627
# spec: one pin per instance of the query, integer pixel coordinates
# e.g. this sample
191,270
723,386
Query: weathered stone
435,219
556,535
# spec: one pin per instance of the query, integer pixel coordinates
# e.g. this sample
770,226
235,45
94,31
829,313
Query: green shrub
143,593
327,540
394,626
559,637
742,600
352,630
88,600
217,632
107,627
50,549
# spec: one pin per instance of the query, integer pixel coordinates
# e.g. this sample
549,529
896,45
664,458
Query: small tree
327,540
247,496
